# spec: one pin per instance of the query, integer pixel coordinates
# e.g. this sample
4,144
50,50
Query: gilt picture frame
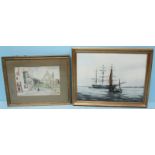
111,77
37,80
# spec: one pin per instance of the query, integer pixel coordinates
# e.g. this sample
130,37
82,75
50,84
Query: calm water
128,94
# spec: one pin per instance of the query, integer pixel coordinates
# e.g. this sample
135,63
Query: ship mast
102,76
119,84
96,78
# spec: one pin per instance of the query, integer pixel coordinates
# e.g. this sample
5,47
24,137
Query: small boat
119,89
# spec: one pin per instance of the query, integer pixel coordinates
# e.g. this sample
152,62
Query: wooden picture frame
37,80
83,64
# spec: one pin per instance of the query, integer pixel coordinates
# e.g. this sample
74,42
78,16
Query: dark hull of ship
110,88
100,86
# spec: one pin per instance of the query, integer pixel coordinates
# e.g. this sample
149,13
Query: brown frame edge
148,51
5,75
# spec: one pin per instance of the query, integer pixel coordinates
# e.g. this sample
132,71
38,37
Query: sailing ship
115,88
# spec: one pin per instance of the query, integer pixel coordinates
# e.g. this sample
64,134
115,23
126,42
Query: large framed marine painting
111,77
37,80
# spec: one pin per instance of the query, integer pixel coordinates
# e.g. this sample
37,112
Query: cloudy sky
129,68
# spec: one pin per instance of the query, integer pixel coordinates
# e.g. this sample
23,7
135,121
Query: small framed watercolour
37,80
111,77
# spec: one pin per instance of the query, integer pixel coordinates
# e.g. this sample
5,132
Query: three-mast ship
115,88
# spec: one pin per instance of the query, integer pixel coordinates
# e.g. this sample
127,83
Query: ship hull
110,88
100,86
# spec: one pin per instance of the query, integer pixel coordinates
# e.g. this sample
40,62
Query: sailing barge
115,88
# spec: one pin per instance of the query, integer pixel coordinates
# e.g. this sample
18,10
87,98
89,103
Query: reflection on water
128,94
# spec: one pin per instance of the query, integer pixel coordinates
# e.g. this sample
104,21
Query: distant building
23,80
49,80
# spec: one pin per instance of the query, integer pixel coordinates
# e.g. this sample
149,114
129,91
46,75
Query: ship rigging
115,88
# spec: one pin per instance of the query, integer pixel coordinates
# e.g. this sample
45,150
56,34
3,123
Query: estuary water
127,95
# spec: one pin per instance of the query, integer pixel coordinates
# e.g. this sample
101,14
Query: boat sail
111,77
111,85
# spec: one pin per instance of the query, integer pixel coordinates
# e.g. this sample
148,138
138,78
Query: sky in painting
39,72
129,68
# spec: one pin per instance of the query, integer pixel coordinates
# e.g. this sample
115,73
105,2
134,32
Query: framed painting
37,80
111,77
